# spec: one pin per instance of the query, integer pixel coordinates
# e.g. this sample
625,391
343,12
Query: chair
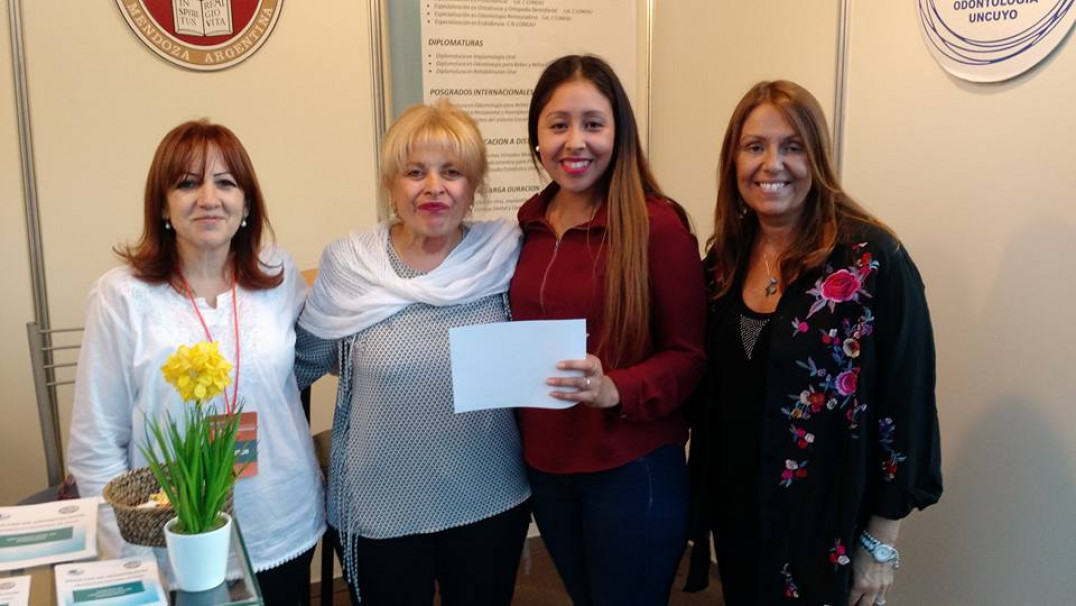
48,360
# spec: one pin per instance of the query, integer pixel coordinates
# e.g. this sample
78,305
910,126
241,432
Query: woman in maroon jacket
602,243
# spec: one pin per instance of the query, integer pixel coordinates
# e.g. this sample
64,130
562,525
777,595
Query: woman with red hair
200,272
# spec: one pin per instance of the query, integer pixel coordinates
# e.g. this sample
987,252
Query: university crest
202,35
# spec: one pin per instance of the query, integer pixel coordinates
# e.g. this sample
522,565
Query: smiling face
772,168
205,206
431,194
576,136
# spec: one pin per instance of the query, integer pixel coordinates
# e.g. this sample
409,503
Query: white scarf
357,286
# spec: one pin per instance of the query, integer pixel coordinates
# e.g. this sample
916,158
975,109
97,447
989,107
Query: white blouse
131,328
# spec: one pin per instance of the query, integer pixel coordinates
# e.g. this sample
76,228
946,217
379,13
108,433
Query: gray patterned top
750,329
402,461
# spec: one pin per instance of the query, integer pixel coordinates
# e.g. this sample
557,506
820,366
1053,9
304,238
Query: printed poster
486,55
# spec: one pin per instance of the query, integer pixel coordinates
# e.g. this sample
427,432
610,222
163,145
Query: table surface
241,588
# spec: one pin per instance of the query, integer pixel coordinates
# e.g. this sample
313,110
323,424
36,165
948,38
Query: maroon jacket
566,279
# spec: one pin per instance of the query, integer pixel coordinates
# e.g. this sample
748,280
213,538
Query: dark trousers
616,536
289,583
472,565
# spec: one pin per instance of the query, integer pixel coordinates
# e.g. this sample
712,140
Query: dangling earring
243,223
167,225
537,150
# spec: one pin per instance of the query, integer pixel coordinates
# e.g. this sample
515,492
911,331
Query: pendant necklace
771,288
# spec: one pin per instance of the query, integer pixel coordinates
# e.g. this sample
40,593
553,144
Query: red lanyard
229,406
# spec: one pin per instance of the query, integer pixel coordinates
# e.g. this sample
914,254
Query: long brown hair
154,257
624,187
828,212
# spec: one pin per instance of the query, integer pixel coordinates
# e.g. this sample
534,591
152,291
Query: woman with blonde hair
418,495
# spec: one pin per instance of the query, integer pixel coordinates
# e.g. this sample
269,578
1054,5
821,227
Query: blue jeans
616,536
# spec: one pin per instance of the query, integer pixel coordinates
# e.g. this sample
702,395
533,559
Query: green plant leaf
195,466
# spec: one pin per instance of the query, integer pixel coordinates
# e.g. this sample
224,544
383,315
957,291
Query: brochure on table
126,582
61,531
15,591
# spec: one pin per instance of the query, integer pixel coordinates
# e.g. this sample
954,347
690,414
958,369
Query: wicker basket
140,525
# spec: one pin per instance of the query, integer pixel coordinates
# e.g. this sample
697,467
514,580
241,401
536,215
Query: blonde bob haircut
441,126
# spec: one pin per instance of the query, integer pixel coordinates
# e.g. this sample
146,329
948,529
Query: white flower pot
199,561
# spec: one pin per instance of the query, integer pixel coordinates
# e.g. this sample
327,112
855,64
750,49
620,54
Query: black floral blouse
849,422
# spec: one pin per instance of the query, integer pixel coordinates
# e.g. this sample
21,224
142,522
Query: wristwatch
882,553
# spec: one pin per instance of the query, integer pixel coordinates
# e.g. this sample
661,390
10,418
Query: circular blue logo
993,40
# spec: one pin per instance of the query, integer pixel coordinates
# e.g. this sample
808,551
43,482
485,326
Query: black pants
289,583
472,565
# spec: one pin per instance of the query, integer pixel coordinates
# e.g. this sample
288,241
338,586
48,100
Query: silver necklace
771,288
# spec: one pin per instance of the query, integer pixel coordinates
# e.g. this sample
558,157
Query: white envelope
505,364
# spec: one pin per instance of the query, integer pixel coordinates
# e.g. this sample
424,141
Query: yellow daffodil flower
199,373
196,467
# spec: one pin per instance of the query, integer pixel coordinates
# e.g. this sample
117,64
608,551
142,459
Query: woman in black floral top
817,429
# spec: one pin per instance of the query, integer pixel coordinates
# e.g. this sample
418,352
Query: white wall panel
978,180
23,470
706,55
